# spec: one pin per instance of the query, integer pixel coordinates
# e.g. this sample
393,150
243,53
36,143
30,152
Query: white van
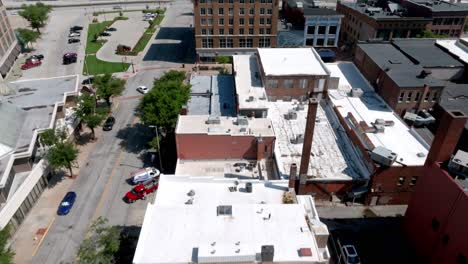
143,175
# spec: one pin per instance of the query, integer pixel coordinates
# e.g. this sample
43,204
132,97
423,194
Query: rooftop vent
299,139
356,92
213,120
267,253
189,201
291,115
458,165
242,121
191,193
423,74
248,187
383,156
224,210
250,99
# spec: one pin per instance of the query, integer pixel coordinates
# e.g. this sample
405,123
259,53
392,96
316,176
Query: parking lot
376,240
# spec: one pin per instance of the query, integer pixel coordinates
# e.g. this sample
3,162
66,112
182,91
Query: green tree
28,36
86,105
92,121
223,59
36,14
155,143
63,155
6,254
108,86
50,137
162,104
102,245
429,34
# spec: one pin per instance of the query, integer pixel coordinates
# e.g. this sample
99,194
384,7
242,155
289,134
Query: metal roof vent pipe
248,187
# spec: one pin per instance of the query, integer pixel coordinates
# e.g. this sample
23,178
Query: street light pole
159,148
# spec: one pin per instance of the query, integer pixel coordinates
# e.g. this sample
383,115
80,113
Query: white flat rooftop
398,138
290,61
223,168
196,124
333,157
174,232
458,48
249,88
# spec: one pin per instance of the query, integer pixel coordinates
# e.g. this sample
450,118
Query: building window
210,11
251,11
303,83
320,42
262,21
267,43
272,83
231,21
241,31
322,29
241,21
268,31
410,95
261,43
249,43
231,11
204,43
401,181
242,1
221,31
251,31
332,30
252,1
221,21
262,11
231,1
203,21
202,11
210,43
230,43
434,96
311,30
261,31
202,1
242,43
222,43
241,11
331,42
210,21
414,179
203,31
269,11
416,98
288,83
220,1
402,96
210,31
251,21
231,31
220,11
268,21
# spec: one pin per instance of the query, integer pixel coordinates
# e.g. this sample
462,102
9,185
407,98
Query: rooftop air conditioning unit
242,121
299,139
356,92
291,115
213,120
458,165
383,156
250,99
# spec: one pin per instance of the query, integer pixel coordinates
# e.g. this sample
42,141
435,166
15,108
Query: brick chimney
308,136
260,148
451,125
292,176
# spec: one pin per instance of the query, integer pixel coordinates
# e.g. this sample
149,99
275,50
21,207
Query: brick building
362,22
9,48
435,220
410,75
227,27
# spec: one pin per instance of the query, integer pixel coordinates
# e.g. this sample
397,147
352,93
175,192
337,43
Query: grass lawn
95,28
96,66
146,37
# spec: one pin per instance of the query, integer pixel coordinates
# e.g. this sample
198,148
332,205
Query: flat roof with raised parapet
457,47
234,126
333,157
202,231
249,88
291,62
369,107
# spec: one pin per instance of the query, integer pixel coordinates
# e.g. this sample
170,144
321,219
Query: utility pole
159,148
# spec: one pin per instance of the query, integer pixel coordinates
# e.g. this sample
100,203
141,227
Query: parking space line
43,237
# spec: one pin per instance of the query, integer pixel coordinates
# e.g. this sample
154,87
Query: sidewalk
28,237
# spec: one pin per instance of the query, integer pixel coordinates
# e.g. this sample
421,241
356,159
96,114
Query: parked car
89,80
150,15
76,28
141,190
117,7
74,34
37,57
104,34
350,255
111,29
73,40
31,63
67,203
108,124
148,19
69,58
142,89
143,175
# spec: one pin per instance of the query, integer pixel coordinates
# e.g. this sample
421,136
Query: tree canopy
27,36
62,153
102,245
162,104
6,255
50,137
108,86
36,14
429,34
92,121
86,105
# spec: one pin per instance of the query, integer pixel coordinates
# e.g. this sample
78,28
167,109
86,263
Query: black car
37,57
111,29
109,123
69,58
73,40
76,28
105,34
90,80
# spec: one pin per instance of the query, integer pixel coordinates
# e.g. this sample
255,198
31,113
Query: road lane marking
43,237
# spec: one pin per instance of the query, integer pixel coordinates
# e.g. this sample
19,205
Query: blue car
67,203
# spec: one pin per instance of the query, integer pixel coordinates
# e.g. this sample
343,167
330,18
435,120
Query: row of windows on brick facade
448,21
241,21
402,179
320,42
232,1
321,30
209,11
409,97
230,31
229,43
288,83
446,32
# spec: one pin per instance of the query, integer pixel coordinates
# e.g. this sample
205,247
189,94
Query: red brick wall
437,198
323,191
193,146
